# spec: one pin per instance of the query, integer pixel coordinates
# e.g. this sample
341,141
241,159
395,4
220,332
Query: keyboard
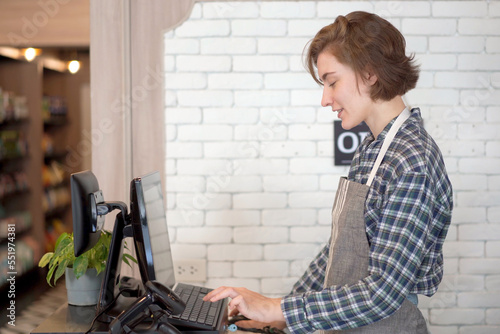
198,314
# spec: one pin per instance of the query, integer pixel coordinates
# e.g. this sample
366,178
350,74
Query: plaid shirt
407,214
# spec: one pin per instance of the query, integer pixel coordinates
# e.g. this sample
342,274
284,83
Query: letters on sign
347,141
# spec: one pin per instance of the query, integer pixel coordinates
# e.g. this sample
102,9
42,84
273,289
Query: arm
268,310
314,277
251,304
397,249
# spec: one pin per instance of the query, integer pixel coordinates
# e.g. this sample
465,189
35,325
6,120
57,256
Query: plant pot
85,290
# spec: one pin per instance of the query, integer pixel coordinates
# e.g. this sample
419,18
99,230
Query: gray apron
348,258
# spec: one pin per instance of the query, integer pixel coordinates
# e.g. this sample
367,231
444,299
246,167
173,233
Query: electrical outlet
190,270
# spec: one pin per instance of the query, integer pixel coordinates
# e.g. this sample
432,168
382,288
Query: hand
250,304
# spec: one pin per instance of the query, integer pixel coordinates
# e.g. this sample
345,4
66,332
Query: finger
212,293
223,293
234,312
238,304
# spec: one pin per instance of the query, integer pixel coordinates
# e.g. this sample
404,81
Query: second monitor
150,229
155,258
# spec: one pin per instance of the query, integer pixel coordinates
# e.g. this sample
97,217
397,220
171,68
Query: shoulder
414,152
413,149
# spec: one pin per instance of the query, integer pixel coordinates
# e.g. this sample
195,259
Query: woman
390,216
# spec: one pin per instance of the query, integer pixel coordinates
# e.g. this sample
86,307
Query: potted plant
84,273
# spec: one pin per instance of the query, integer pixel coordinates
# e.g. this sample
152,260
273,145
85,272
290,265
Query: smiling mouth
338,110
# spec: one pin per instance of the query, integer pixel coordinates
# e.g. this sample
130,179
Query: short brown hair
366,42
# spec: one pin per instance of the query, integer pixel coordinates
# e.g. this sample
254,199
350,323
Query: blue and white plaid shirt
407,215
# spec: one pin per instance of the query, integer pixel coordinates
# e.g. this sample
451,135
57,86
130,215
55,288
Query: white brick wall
250,175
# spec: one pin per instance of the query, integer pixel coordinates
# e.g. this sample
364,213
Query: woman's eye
332,84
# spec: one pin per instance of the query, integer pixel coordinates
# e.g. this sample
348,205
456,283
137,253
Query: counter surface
70,319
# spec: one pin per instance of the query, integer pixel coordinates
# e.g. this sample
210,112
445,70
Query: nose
326,99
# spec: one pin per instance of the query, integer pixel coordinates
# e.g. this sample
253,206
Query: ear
370,78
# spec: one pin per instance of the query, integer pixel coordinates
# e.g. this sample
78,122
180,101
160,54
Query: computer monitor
151,237
85,198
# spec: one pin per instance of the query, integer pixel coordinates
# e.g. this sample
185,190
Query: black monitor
150,230
89,210
85,198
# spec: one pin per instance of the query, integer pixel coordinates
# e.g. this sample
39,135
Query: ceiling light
30,54
73,66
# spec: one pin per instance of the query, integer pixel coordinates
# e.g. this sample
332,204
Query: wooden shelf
55,122
13,194
55,156
34,80
13,123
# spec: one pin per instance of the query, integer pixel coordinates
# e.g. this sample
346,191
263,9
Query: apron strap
387,142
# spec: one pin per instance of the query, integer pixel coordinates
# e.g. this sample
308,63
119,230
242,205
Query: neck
382,113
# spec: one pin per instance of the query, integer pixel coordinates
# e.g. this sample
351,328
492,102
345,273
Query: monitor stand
108,308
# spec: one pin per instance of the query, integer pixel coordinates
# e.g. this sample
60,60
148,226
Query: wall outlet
190,270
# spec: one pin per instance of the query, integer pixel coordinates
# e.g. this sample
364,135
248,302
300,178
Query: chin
346,125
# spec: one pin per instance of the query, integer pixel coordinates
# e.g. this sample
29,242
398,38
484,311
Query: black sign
347,141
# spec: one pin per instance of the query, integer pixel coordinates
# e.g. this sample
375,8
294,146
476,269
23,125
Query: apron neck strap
403,116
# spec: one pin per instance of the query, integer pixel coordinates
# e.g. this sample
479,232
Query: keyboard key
197,314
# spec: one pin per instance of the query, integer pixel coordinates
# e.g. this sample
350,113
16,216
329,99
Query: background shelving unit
41,210
23,79
55,171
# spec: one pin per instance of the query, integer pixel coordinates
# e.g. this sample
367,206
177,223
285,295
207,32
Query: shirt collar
415,112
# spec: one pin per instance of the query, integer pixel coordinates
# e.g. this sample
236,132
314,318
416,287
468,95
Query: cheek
364,90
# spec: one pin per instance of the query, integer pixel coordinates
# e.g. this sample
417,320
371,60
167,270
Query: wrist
278,313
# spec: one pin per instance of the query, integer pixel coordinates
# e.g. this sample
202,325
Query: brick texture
250,178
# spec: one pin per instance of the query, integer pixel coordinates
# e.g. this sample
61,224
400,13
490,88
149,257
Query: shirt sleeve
396,251
314,277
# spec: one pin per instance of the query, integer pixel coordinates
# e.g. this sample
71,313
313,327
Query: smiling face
343,93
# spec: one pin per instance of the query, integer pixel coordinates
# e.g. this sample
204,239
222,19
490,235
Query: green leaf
99,267
61,237
124,259
50,273
63,245
55,260
127,257
101,252
80,266
60,270
45,259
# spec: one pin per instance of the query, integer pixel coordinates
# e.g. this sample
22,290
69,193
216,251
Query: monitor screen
150,229
87,224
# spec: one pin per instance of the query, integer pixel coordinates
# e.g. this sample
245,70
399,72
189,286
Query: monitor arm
121,230
98,207
106,207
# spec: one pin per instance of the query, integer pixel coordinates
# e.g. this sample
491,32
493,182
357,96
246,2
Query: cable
266,330
102,312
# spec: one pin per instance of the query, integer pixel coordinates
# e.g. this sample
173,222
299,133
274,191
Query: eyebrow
323,77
